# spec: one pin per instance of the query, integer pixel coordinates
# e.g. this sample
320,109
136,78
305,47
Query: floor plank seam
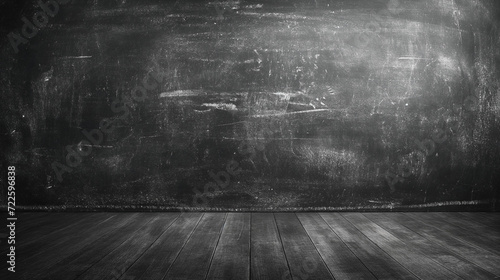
388,254
469,230
165,230
111,251
445,249
476,221
449,250
216,245
348,248
410,245
469,243
282,245
315,247
183,245
250,248
41,237
61,261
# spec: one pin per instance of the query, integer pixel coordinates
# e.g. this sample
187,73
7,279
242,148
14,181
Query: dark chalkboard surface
251,105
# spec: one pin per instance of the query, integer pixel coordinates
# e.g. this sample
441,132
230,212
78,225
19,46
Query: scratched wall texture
341,104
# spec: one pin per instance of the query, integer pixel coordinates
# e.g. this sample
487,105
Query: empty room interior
250,139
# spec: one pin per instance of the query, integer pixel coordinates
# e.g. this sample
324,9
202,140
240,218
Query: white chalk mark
412,58
79,57
274,138
225,124
180,93
94,146
290,113
221,106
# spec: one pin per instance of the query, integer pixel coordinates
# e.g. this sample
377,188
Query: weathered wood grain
341,261
260,246
268,259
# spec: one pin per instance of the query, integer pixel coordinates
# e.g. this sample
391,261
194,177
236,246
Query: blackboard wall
243,105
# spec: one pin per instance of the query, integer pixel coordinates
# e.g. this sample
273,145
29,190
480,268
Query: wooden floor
275,246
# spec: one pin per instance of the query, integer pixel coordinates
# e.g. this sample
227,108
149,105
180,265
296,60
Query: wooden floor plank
382,265
73,260
156,261
258,246
478,229
304,260
455,262
51,248
113,264
341,262
482,258
489,217
232,255
486,240
268,259
483,218
404,253
38,238
29,218
27,229
194,259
